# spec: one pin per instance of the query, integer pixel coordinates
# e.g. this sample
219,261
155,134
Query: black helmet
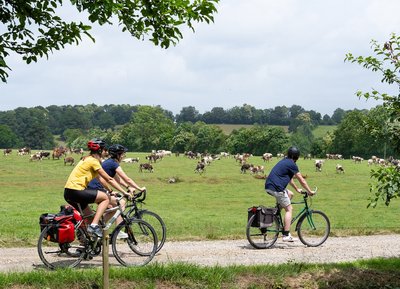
96,145
116,149
293,153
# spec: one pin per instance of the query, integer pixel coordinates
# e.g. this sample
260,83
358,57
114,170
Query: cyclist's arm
127,181
104,183
111,181
296,188
303,183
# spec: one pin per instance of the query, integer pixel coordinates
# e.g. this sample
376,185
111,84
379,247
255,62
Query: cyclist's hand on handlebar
311,193
142,189
131,190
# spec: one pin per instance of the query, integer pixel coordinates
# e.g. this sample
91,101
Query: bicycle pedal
88,257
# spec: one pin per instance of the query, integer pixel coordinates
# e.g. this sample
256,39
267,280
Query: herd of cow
57,153
203,160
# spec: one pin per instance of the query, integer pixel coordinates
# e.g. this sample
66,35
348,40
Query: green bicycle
313,227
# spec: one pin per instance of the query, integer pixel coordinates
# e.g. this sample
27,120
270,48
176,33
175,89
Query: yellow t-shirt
85,171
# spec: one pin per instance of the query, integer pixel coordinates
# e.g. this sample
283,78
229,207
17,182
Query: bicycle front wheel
262,238
139,247
55,255
313,228
157,223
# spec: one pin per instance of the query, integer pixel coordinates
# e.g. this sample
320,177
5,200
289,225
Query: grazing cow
44,155
69,160
246,167
267,157
200,167
357,159
24,151
318,165
207,160
164,153
280,155
58,152
307,157
77,151
130,160
257,169
146,166
339,169
154,157
7,152
35,157
224,154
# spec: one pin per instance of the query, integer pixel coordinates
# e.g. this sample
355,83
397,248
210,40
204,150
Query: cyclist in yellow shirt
76,192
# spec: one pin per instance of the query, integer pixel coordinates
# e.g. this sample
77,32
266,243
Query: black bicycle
134,210
313,227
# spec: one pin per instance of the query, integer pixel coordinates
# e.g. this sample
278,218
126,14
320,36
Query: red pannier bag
62,225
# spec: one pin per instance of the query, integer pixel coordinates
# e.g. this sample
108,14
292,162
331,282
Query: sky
259,52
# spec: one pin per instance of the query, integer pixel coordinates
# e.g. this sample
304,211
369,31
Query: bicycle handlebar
140,197
306,193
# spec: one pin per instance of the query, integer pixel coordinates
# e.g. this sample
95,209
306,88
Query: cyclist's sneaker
122,235
95,230
289,238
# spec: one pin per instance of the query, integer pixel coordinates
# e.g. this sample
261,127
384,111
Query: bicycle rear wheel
55,255
140,246
262,238
157,223
313,228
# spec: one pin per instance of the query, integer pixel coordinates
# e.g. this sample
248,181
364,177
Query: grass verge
374,273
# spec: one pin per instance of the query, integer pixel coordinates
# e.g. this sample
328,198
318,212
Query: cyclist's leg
283,199
102,202
288,217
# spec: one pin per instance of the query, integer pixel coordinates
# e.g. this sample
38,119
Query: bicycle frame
118,212
304,210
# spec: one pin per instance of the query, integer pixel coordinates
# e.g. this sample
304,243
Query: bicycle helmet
116,149
96,145
293,153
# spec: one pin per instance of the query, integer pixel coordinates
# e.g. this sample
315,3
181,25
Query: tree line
144,128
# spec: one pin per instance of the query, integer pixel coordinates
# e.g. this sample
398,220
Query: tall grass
376,273
208,206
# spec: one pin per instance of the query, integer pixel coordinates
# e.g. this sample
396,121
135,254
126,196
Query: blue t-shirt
281,174
109,166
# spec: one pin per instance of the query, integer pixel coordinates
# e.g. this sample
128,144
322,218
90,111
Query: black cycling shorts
84,197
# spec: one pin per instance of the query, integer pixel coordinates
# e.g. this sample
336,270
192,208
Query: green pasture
197,207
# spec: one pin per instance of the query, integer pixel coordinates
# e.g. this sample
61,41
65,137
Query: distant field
196,207
320,131
228,128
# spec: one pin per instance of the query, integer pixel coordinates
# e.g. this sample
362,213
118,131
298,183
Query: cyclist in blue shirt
112,167
280,176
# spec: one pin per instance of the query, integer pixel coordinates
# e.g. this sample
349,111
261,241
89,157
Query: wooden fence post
106,263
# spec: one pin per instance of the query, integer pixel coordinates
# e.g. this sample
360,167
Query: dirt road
236,252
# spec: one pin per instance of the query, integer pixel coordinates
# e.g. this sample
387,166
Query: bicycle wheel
157,223
262,238
140,246
55,255
313,228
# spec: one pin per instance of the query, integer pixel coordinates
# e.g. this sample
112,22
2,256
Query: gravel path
236,252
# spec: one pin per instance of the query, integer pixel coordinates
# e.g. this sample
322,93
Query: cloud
260,52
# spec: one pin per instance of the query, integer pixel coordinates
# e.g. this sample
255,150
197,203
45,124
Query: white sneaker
122,235
289,238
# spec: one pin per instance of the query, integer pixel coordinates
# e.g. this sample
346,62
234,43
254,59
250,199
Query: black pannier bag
264,217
